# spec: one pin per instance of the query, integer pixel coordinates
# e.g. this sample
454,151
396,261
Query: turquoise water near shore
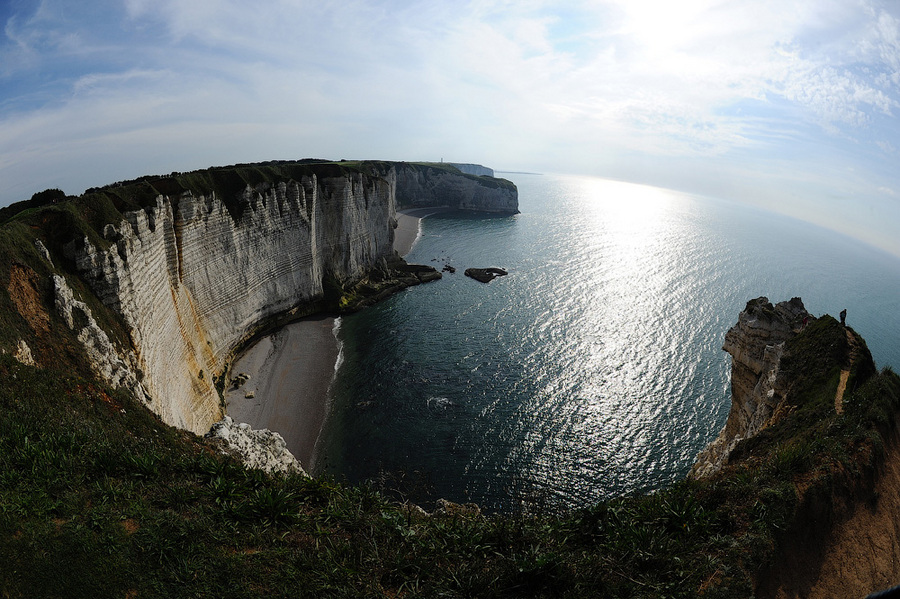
594,369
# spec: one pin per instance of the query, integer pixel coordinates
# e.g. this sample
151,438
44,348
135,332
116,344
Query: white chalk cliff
192,280
432,186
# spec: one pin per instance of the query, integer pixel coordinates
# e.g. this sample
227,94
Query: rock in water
485,275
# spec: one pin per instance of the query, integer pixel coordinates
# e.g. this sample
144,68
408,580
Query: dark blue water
594,369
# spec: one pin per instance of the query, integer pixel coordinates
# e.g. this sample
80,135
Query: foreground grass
99,499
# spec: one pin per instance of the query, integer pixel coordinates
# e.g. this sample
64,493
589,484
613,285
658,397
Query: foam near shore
409,227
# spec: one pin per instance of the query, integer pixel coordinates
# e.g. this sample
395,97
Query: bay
594,369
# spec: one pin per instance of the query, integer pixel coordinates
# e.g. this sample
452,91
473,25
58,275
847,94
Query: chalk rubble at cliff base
262,449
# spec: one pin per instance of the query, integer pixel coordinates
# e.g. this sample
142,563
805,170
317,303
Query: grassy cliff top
98,498
102,205
492,182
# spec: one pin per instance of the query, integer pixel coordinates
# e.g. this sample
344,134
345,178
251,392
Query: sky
791,106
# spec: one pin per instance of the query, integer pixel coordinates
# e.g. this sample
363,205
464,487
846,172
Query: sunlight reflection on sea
594,368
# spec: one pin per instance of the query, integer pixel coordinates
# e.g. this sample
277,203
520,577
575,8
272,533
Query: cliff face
420,185
195,264
756,344
473,169
191,282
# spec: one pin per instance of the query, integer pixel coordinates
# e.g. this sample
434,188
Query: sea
594,369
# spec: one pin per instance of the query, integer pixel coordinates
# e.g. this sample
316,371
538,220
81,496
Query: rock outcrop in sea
485,275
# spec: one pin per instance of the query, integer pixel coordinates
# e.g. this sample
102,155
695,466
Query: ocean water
594,369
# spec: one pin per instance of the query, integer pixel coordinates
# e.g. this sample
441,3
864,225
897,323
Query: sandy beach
291,370
408,227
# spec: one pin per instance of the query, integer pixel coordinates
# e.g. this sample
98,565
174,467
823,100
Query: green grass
492,182
98,498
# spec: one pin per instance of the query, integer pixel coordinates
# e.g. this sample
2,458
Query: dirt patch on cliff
853,343
864,553
24,291
860,555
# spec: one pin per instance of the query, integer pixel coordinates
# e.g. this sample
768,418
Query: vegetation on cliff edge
104,205
98,498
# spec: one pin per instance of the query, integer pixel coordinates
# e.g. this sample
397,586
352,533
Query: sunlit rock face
756,344
426,186
192,282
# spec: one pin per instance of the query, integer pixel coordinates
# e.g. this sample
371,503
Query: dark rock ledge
383,282
485,275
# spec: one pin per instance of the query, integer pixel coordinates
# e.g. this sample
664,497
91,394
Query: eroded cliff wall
423,185
211,257
756,344
192,282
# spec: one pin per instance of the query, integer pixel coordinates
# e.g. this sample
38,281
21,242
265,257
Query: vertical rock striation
194,274
756,344
192,282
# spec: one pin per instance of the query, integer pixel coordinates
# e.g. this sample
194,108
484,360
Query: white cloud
886,147
657,89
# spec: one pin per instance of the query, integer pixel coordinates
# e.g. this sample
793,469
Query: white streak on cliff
192,283
101,352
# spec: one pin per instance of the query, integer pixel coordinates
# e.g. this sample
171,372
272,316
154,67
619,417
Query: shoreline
409,227
291,370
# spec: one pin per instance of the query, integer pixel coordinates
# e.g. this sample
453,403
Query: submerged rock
485,275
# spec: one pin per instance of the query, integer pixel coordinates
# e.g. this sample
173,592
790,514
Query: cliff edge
771,367
756,344
813,424
432,184
159,280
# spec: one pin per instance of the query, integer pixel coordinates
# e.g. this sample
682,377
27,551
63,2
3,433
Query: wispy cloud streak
692,94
